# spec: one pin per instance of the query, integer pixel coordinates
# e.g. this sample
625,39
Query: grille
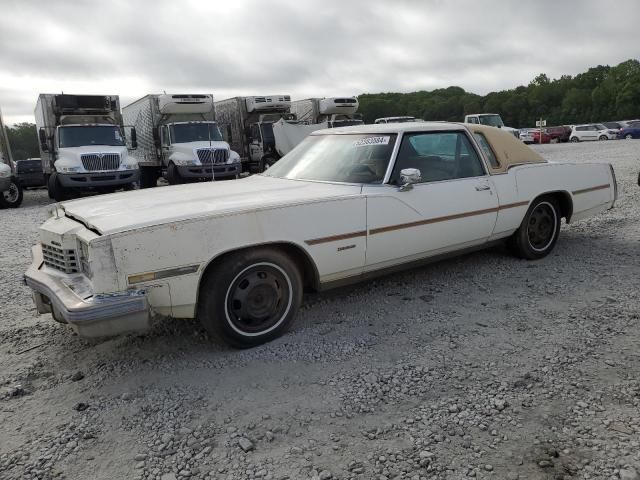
63,260
94,162
212,155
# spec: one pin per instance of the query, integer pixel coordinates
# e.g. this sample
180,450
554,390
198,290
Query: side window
581,129
473,120
488,151
164,135
438,155
255,132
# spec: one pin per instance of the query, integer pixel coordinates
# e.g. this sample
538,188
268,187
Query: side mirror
409,176
134,139
43,140
156,136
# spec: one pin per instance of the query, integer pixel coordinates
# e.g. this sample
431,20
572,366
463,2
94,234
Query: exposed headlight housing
5,173
69,169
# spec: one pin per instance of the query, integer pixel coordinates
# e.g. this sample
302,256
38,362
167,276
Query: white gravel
483,366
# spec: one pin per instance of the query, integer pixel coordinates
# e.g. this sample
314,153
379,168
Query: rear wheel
251,297
539,230
12,198
575,139
56,190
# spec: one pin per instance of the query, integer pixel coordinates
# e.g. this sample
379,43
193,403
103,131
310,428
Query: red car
559,134
546,138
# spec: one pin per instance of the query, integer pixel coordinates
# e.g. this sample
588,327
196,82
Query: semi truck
248,127
491,119
10,189
334,111
179,138
82,144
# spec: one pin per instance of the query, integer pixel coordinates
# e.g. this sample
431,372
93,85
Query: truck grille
63,260
212,155
94,162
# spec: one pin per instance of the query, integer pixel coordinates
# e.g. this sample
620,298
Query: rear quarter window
488,151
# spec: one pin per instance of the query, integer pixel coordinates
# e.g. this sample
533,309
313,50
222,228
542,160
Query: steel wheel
11,198
258,299
541,228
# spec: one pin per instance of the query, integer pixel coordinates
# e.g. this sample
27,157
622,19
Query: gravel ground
483,366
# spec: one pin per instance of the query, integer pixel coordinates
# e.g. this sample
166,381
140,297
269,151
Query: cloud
309,48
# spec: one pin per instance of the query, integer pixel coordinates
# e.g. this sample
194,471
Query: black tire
56,190
148,177
575,139
603,137
11,198
539,230
250,297
173,176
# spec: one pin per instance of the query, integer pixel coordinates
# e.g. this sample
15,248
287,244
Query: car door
454,205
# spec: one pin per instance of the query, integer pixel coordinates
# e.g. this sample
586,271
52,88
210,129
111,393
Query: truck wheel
148,177
12,198
251,297
173,176
539,230
56,190
575,139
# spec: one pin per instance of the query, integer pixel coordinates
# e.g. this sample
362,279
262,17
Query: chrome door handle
482,188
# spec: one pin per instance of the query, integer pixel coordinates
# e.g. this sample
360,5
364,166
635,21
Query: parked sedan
346,204
632,131
592,131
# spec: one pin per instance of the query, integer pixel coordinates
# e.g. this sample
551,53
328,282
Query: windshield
80,136
195,132
337,158
491,120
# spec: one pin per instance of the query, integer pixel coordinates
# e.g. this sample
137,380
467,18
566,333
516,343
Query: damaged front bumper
69,299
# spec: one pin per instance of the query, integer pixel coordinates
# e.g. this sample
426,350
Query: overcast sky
299,47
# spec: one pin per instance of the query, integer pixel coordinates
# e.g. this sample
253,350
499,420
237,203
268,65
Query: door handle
482,188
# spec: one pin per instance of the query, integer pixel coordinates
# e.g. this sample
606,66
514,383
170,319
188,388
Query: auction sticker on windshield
363,142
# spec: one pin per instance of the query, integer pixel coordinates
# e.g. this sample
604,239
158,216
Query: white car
344,205
526,135
10,189
592,131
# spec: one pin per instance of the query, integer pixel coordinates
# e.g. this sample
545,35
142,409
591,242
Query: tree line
600,94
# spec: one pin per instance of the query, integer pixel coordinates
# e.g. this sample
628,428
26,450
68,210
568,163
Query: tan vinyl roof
508,149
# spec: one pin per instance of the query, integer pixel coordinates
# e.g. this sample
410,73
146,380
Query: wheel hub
257,299
12,194
541,228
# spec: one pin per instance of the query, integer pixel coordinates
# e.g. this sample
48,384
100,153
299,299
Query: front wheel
173,175
539,230
603,137
12,198
251,297
56,190
575,139
628,136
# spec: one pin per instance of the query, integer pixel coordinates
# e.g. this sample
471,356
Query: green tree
23,140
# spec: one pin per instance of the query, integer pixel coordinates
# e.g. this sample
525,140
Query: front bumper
98,179
5,182
89,315
225,170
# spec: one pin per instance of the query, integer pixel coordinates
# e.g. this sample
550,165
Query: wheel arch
563,198
302,258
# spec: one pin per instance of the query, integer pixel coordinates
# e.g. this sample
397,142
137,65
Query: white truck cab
492,120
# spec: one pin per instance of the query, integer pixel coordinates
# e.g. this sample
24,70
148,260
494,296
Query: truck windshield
80,136
491,120
337,158
195,132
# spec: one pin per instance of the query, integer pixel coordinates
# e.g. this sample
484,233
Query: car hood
120,212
